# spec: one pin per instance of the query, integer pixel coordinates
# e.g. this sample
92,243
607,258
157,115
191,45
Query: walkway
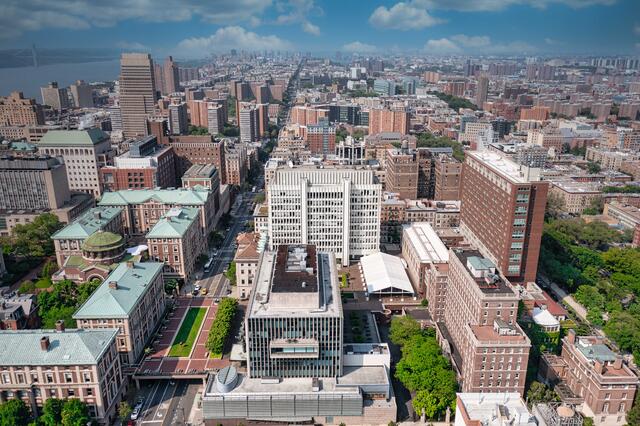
159,364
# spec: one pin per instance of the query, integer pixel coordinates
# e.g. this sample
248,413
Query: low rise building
575,196
132,300
498,409
626,215
177,240
427,260
588,371
143,208
68,241
19,312
250,248
63,364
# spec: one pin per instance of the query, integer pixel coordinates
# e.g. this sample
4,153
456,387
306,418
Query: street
166,403
214,280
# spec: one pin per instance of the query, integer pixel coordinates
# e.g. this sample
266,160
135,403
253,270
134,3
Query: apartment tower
137,92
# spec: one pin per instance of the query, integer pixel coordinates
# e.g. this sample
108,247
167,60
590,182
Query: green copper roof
103,241
73,137
180,196
71,347
174,223
88,223
133,282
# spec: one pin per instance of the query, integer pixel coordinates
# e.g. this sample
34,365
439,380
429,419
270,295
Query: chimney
60,325
130,264
571,337
114,284
44,343
97,214
617,364
598,367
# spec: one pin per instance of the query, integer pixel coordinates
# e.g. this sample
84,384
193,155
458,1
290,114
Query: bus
207,266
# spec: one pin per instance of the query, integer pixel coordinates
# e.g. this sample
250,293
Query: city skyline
436,27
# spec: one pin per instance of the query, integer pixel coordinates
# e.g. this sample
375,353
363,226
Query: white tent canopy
385,274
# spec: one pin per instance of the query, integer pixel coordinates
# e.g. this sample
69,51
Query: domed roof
102,241
564,411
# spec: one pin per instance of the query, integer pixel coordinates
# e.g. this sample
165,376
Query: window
89,391
68,377
71,392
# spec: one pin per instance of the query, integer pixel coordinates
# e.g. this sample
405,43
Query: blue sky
194,28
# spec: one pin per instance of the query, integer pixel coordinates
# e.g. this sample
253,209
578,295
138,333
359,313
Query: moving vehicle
207,266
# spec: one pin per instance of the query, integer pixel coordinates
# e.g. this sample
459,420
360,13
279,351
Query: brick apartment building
401,168
502,212
480,333
386,120
15,110
588,372
146,165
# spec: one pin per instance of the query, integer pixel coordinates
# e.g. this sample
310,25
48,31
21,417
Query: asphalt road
214,280
166,404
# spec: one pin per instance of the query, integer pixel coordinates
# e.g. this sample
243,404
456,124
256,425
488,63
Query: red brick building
502,212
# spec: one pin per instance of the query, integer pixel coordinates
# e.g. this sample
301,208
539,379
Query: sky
196,28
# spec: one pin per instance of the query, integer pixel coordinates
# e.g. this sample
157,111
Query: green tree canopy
14,413
75,413
402,329
52,412
34,239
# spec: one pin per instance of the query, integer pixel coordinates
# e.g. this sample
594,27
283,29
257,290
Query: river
30,79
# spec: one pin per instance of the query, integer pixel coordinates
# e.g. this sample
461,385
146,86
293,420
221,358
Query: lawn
188,332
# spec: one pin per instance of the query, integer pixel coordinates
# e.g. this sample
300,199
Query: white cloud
551,41
411,15
359,47
494,5
308,27
298,11
462,43
131,45
233,37
441,46
471,41
19,16
636,29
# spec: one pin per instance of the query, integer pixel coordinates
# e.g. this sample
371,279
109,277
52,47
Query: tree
588,421
402,329
52,412
27,287
593,168
221,325
555,205
14,413
198,130
75,413
201,260
124,411
260,198
231,273
431,403
539,392
633,416
170,286
34,239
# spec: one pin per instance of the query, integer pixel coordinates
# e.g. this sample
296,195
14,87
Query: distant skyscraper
82,94
178,119
482,89
54,96
171,76
137,92
249,122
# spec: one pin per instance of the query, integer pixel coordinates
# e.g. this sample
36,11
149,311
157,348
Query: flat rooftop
482,407
426,242
504,166
499,286
305,284
296,270
200,171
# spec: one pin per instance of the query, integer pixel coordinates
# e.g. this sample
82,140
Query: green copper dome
102,241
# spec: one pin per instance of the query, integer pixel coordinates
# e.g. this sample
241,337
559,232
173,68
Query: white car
197,287
135,413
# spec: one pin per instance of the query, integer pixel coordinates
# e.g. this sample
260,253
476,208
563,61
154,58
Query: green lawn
188,332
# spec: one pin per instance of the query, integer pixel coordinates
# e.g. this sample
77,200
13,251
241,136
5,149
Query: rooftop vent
113,285
44,343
